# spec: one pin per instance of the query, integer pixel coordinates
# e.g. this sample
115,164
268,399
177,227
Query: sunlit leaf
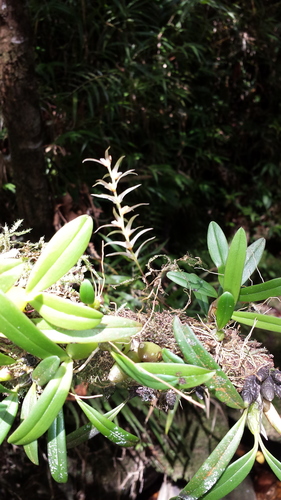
15,325
46,408
6,264
111,328
60,254
9,277
65,313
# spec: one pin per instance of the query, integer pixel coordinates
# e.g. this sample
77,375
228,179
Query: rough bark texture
21,113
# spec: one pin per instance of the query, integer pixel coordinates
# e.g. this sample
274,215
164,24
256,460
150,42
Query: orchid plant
61,332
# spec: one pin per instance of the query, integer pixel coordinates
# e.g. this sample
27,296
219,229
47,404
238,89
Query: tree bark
22,117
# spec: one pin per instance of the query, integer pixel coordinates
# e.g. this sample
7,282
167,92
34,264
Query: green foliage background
187,90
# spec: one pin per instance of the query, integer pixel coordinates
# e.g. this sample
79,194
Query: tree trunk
21,113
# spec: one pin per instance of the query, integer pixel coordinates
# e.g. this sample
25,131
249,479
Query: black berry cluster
266,382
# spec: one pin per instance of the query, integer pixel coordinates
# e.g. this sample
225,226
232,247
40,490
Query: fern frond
123,226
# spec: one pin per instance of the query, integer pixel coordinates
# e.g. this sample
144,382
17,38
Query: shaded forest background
188,91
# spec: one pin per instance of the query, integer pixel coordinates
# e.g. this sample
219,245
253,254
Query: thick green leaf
6,264
114,433
262,321
235,264
187,375
65,313
178,375
217,244
253,257
233,475
192,282
111,328
194,353
89,431
9,277
6,360
8,411
60,254
169,357
273,463
56,448
225,308
15,325
4,389
215,465
141,376
262,291
28,403
46,408
45,370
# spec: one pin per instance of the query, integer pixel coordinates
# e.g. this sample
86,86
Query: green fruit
80,351
148,351
116,375
122,345
87,292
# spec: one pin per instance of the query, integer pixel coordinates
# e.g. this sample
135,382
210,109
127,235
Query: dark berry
267,389
251,390
262,373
